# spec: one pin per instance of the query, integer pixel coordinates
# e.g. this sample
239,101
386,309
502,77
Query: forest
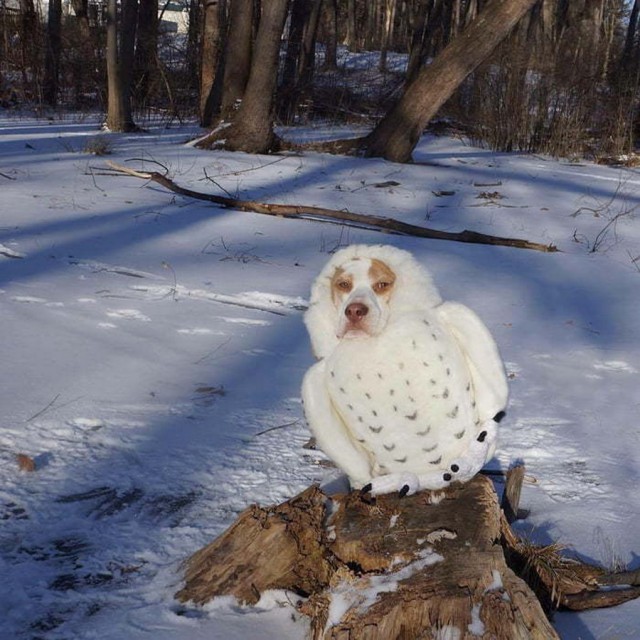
564,80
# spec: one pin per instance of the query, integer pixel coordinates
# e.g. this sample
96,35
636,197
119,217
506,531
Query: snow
153,348
476,627
346,595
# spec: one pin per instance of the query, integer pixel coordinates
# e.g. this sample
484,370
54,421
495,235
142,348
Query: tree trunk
252,128
398,132
211,61
411,567
628,61
237,55
287,94
29,36
351,37
433,565
52,59
119,116
146,48
330,29
389,8
418,34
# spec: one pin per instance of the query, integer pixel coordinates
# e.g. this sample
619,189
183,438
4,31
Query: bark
252,127
146,48
287,94
330,29
237,55
628,59
211,61
52,59
418,34
391,568
29,27
307,59
300,57
351,38
389,8
398,132
403,567
119,116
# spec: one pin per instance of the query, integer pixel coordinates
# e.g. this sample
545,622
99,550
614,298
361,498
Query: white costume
408,396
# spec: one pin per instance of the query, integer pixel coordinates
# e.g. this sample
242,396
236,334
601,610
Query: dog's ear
321,317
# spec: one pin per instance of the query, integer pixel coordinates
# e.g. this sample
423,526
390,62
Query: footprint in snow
36,300
87,424
128,314
7,252
614,365
198,331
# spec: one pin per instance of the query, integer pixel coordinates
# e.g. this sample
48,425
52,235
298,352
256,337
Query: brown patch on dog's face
341,285
382,278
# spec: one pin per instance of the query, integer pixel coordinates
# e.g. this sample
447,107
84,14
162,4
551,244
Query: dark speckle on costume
420,424
404,390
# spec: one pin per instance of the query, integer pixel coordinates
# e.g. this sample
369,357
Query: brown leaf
25,462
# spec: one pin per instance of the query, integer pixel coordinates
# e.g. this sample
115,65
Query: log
443,564
279,547
394,567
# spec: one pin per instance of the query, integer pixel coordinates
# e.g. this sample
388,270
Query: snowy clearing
153,350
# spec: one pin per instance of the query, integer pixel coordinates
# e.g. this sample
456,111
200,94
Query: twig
279,426
388,225
42,411
511,495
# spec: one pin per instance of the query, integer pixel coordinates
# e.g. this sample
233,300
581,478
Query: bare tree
398,132
252,127
120,65
146,51
52,57
389,12
237,55
330,32
212,32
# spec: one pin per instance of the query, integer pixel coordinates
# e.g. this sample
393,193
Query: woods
534,75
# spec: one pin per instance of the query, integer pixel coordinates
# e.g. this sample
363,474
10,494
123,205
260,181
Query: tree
237,55
52,58
146,47
398,132
252,127
213,23
120,65
300,56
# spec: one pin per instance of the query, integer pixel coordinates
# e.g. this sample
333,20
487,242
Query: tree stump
431,565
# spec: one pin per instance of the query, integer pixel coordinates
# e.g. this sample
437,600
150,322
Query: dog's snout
356,311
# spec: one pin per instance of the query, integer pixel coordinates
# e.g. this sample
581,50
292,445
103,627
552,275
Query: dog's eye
344,285
380,286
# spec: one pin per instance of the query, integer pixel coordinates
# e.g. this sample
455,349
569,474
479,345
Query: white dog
408,390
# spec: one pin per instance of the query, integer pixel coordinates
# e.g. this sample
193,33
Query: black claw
366,489
482,436
446,477
455,468
498,417
403,492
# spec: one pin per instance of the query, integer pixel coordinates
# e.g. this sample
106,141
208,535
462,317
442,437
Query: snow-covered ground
152,350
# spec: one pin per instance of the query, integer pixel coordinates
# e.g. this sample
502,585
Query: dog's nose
356,311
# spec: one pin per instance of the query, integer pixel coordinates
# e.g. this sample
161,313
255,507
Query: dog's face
361,290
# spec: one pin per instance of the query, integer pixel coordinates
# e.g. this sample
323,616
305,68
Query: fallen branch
388,225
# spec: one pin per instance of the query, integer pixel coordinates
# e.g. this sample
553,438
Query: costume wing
481,353
332,435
